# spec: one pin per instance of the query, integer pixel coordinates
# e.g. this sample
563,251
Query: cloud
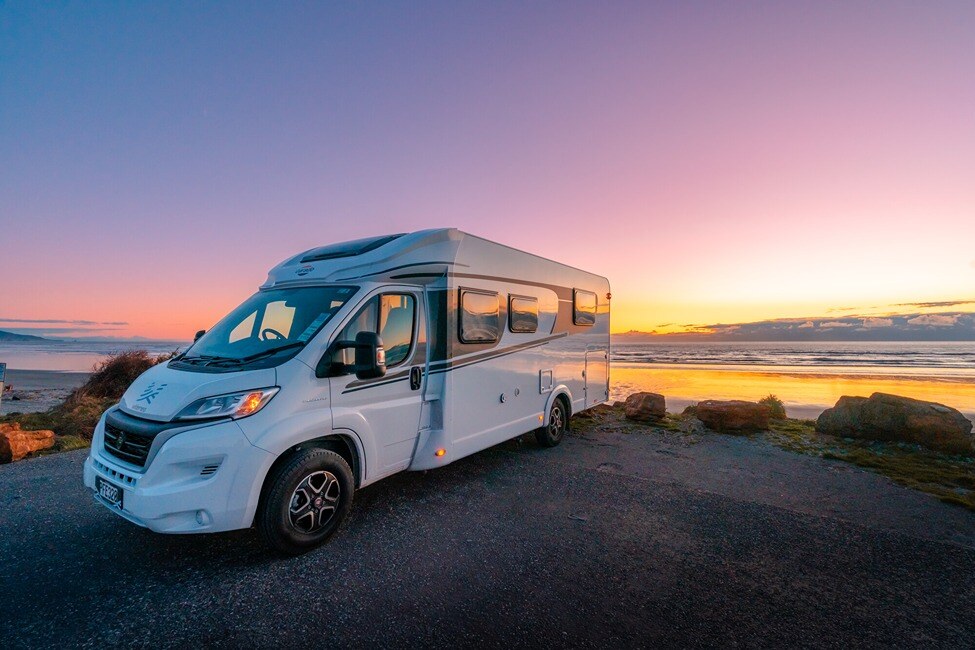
59,321
878,322
60,331
935,320
835,323
807,325
929,305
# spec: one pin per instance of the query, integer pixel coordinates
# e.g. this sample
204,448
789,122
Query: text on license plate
109,492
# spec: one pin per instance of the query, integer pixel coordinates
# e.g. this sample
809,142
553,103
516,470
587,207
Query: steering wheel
267,330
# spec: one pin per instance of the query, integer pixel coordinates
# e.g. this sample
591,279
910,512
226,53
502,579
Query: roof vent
348,248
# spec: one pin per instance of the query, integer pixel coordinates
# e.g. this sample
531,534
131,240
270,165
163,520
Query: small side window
480,316
522,314
584,307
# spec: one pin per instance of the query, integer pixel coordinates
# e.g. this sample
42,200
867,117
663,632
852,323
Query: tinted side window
480,316
392,316
522,314
396,317
364,321
584,303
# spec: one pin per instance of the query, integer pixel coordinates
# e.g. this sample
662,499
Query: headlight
233,405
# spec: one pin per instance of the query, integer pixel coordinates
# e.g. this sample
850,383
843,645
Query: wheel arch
563,392
344,444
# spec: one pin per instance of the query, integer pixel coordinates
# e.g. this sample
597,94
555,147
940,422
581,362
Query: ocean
73,355
808,377
927,359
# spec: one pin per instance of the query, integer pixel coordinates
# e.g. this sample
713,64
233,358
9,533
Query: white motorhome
352,362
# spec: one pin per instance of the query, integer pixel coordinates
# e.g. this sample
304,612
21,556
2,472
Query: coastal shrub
775,405
111,377
79,413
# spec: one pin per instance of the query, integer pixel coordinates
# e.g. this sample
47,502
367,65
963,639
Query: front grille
128,446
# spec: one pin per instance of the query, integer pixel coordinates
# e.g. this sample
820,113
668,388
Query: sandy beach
33,391
805,394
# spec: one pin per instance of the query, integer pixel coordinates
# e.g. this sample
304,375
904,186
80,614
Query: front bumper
205,479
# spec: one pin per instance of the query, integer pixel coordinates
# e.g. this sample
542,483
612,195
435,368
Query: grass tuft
776,407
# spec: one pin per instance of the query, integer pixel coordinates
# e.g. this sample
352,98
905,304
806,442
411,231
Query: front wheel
558,421
305,501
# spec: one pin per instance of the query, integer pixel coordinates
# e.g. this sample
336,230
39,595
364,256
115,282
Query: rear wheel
558,422
305,501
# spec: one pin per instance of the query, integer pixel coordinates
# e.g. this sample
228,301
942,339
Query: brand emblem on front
305,270
150,393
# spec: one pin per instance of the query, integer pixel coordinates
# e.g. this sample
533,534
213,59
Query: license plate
109,492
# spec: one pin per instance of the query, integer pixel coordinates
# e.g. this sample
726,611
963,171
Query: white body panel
470,395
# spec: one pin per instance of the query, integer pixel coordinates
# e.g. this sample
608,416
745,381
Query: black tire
292,517
558,424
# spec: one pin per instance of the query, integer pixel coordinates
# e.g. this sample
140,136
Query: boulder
645,407
16,443
733,415
899,419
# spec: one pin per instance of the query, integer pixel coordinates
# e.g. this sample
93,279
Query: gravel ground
657,539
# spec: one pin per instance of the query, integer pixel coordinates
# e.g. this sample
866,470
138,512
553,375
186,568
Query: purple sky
718,162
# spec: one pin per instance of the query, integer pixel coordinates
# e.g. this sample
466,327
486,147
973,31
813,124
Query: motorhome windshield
268,328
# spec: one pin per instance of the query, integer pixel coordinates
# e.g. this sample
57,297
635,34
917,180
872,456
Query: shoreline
806,394
35,391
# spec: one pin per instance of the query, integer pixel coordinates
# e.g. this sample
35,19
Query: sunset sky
719,162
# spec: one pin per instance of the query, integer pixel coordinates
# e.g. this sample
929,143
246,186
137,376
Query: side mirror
198,335
370,356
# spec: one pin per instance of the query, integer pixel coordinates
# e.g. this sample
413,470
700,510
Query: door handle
416,375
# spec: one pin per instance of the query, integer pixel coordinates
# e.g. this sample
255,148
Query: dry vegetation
74,420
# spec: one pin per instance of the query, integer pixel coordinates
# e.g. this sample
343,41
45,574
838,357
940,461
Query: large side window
480,316
584,307
393,317
522,314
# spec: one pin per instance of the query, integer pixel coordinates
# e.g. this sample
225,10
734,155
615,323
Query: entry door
597,377
390,405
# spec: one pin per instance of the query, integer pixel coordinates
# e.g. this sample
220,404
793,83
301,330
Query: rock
899,419
733,415
645,407
16,443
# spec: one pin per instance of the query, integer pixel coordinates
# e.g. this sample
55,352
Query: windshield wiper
204,358
260,355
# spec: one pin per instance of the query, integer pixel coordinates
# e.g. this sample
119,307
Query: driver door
389,405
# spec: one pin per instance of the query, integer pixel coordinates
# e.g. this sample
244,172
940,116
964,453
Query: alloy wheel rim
556,422
314,502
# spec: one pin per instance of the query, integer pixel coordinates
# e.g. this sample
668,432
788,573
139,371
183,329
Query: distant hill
7,337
